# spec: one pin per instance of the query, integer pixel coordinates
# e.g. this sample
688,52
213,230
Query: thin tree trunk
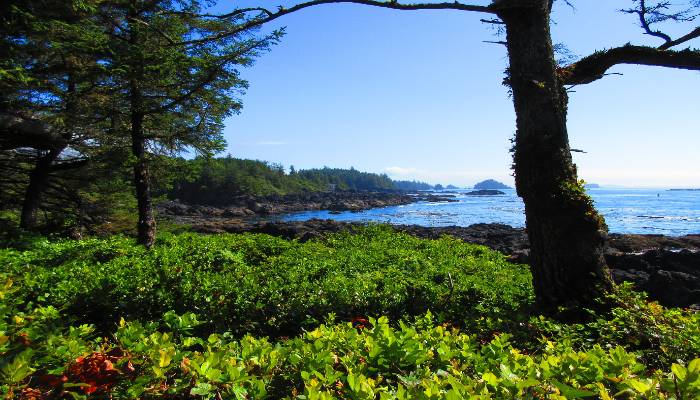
142,183
38,183
567,235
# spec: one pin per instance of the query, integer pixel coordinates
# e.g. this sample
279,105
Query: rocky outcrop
448,198
485,192
248,206
670,276
244,206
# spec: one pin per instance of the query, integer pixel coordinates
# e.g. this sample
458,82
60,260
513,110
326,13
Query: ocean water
651,211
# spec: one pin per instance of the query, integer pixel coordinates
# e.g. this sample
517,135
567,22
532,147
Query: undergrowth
253,316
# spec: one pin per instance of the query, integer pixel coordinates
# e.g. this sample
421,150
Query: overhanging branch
265,15
692,35
594,67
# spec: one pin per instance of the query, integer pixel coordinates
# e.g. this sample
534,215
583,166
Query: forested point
91,197
101,298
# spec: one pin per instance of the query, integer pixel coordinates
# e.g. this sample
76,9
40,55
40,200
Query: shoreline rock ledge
247,206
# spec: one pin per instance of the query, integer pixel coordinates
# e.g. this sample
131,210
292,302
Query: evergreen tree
174,79
48,122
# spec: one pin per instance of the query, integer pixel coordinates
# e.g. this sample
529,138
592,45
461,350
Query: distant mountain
491,184
451,187
592,186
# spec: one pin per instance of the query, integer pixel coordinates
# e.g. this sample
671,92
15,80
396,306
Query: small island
485,192
491,184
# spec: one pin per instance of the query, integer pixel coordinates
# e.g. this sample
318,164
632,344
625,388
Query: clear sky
418,95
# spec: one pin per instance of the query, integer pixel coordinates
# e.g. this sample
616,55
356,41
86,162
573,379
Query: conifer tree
173,78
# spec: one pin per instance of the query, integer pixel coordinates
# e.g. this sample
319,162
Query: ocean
647,211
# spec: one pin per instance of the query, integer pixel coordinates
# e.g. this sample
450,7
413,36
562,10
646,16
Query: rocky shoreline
252,206
668,268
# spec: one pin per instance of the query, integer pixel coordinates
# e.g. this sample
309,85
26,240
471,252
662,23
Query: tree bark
567,235
38,183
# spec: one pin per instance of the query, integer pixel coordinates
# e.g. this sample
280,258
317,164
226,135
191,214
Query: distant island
491,184
684,190
592,186
485,192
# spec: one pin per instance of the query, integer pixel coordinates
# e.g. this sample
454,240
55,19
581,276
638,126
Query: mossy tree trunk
567,235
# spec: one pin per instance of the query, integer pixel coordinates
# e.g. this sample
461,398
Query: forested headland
98,194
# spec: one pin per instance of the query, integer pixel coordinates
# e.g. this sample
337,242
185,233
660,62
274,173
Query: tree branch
692,35
264,15
593,67
661,11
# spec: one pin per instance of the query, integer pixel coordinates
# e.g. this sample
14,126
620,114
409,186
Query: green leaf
638,385
694,366
490,378
679,371
572,392
165,356
202,389
17,370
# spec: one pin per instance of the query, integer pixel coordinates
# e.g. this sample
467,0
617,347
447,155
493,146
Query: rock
631,243
485,192
670,277
447,198
520,256
175,207
276,204
639,278
235,212
673,288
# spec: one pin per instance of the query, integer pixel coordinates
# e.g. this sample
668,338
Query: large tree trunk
567,235
38,183
142,182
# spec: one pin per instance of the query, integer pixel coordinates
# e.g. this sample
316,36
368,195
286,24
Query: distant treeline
98,194
213,180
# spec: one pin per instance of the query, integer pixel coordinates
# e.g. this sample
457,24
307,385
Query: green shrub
660,335
266,285
62,334
421,360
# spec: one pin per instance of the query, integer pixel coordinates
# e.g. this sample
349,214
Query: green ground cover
253,316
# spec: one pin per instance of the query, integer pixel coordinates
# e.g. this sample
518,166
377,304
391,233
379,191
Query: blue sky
418,95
